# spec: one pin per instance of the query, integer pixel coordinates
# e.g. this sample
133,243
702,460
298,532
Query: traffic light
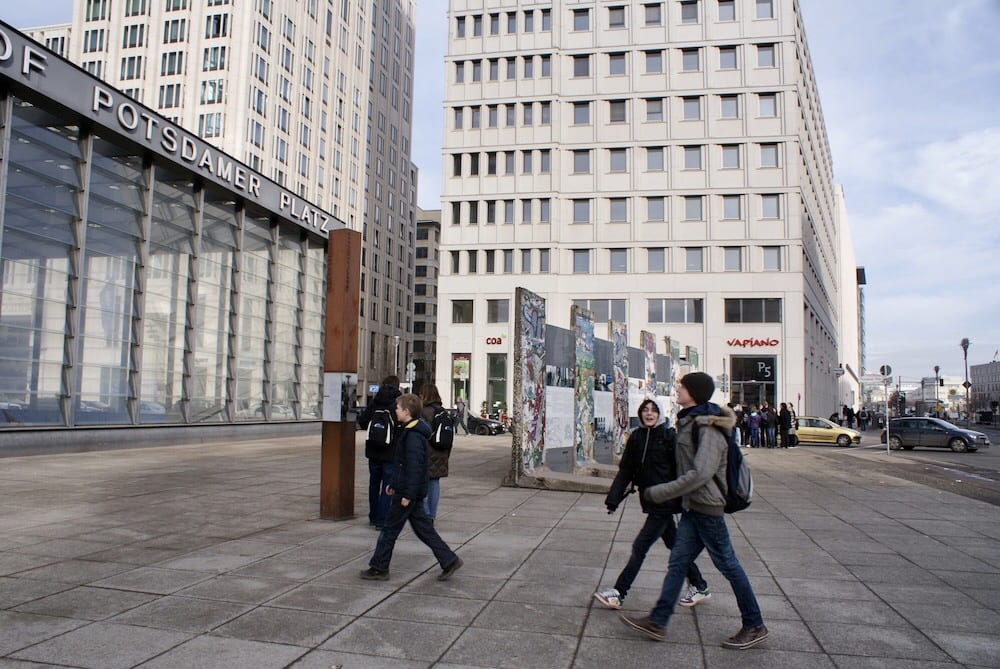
941,382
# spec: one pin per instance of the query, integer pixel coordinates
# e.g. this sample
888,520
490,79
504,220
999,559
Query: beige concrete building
425,303
663,163
315,95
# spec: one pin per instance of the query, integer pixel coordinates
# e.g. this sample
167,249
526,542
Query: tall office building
425,299
663,163
315,94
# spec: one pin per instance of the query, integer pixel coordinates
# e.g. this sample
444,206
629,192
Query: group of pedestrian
675,471
765,426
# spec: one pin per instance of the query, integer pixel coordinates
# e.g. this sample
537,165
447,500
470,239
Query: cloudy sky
910,91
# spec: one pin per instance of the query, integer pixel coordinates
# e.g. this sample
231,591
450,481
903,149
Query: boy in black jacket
649,459
408,489
379,454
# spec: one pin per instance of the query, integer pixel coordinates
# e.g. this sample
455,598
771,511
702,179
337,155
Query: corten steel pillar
340,354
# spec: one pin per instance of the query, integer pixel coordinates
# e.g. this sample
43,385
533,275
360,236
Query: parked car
908,433
478,425
812,429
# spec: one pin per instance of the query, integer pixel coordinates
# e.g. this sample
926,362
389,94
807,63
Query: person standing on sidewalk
648,460
460,410
408,489
703,431
378,448
785,425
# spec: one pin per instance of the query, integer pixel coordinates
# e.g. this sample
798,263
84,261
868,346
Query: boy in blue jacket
408,490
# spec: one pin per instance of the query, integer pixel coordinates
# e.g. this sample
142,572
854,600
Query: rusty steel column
340,354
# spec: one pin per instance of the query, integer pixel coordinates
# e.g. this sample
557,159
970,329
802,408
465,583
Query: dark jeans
379,476
460,422
769,433
698,531
655,527
422,526
784,439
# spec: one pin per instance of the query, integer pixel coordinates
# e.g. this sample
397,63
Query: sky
910,91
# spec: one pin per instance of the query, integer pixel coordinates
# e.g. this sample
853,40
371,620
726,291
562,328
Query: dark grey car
908,433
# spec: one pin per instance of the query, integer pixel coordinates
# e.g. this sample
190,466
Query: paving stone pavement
213,556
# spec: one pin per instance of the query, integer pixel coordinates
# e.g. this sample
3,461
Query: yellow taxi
822,431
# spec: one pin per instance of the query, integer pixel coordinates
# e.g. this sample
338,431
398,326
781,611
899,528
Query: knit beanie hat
699,385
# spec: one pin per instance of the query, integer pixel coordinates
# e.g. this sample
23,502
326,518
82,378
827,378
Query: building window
617,111
694,259
525,261
456,257
473,262
216,25
733,259
135,7
676,310
604,310
654,110
210,125
544,161
581,66
616,64
497,311
546,61
460,26
731,209
581,211
655,261
581,113
692,109
494,64
729,106
653,14
174,31
727,10
618,160
618,210
768,105
133,35
172,62
690,60
692,158
765,9
654,158
753,310
769,155
689,11
529,67
494,24
529,21
772,258
170,96
727,58
461,311
544,210
619,261
477,26
770,206
543,261
581,261
581,161
581,19
654,62
765,55
546,20
616,17
131,68
511,23
508,261
730,156
655,209
693,208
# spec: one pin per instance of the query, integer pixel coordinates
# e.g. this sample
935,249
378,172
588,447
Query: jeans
698,531
422,526
460,422
379,476
755,437
771,443
655,527
433,495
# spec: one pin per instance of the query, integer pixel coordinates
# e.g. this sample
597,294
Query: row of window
691,59
659,310
688,108
616,209
134,35
692,259
689,12
616,160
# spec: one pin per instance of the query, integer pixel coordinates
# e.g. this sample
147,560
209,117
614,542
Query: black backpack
738,488
442,429
380,427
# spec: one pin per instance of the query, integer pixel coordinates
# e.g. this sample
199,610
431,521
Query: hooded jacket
698,468
648,460
409,477
385,398
437,459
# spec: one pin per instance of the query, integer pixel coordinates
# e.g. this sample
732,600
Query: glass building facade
136,291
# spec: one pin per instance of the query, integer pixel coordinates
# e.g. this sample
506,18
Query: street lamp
395,344
965,354
937,370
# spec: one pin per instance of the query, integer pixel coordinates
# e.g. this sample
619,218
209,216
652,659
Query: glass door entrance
754,380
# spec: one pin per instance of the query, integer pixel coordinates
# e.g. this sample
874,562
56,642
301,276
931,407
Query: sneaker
447,572
653,630
373,574
694,596
611,598
746,638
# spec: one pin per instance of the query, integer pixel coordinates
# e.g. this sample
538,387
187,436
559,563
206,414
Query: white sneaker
694,596
611,598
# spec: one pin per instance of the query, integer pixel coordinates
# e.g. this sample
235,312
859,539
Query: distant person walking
649,459
460,409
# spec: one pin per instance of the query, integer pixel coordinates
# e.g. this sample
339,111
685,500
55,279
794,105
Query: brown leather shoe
746,638
653,630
